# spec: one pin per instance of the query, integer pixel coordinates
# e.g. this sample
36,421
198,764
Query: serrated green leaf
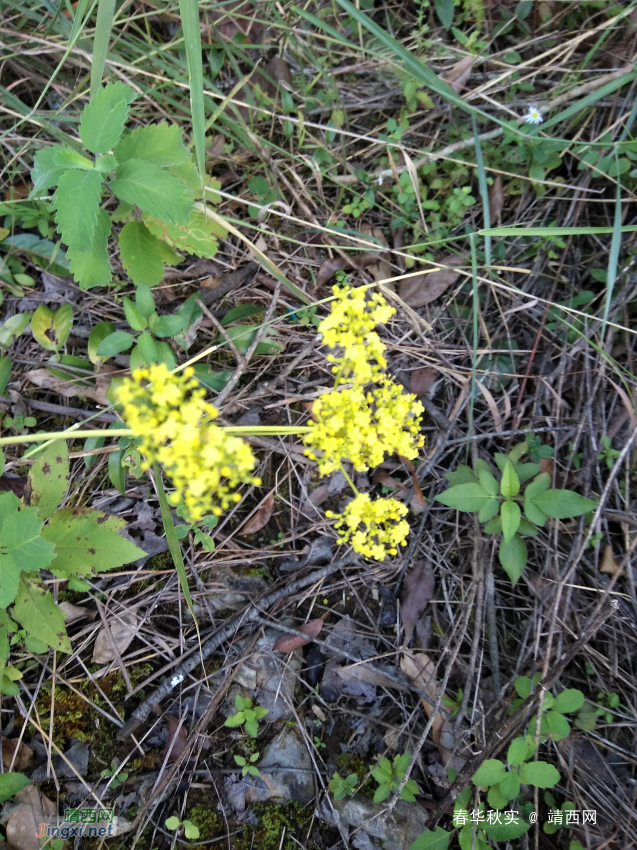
490,772
168,326
428,840
510,484
488,511
381,793
558,725
569,700
494,526
92,267
104,117
506,831
526,471
461,475
518,749
45,173
526,528
538,486
198,236
105,163
465,497
511,515
488,482
51,328
87,541
495,798
483,466
67,158
141,256
144,299
133,316
401,763
512,556
11,784
159,144
500,460
36,611
154,191
563,504
510,786
115,343
541,774
77,200
22,548
187,172
535,515
49,478
98,334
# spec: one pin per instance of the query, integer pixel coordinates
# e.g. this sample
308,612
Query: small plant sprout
608,453
341,787
190,830
249,765
318,743
246,715
453,705
389,776
114,774
533,116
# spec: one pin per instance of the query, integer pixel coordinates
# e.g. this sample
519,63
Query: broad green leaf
512,556
89,444
159,144
445,12
506,831
168,326
44,253
558,725
569,700
141,256
488,482
66,158
115,343
495,798
241,311
526,528
527,470
510,484
500,460
518,751
436,840
465,838
212,380
153,190
243,335
106,162
5,372
104,117
116,471
534,514
538,486
133,316
144,300
92,266
13,326
188,174
11,784
494,526
401,763
465,497
22,549
52,328
510,513
87,541
98,334
539,773
166,355
510,786
173,822
45,172
198,236
483,466
381,793
147,348
461,475
190,830
49,478
523,686
488,511
563,504
36,611
490,772
517,451
77,200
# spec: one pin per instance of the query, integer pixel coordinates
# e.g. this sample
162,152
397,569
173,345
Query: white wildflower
533,116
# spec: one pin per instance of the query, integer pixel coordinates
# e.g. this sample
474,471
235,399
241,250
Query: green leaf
527,528
428,840
488,482
381,793
538,486
190,830
401,763
59,322
541,774
77,200
494,526
173,822
105,163
445,11
49,478
465,838
526,471
510,484
144,300
512,556
510,786
5,372
89,444
133,316
235,720
44,253
141,256
22,548
11,784
36,611
570,700
558,725
168,326
252,728
115,343
45,172
489,510
153,190
159,144
147,348
500,460
495,798
506,831
462,475
510,513
563,504
465,497
104,117
67,158
87,541
490,772
116,471
92,267
518,749
535,515
198,236
98,334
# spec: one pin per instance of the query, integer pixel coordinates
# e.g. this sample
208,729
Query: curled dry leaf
422,380
97,392
608,564
547,465
76,612
177,740
418,592
261,518
424,288
496,200
16,755
363,673
122,631
459,74
24,824
288,643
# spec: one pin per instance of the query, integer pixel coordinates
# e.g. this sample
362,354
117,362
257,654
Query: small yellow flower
372,528
168,413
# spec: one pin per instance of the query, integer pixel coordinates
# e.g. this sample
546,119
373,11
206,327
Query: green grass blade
613,258
521,230
103,25
484,192
189,10
589,99
476,339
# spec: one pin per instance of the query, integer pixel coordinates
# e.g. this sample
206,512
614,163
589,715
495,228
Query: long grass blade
613,257
103,26
484,192
553,231
189,11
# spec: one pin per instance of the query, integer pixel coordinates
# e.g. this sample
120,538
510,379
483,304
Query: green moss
273,819
209,822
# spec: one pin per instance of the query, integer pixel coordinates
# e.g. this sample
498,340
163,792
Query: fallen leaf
176,742
288,643
422,380
547,465
122,631
23,759
24,824
211,282
75,612
496,200
45,380
424,288
261,518
418,592
330,267
385,480
459,74
608,563
215,149
363,673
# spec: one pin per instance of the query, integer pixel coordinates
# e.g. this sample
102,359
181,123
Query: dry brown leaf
215,149
424,288
496,200
23,759
608,563
75,612
422,380
175,745
385,480
261,518
288,643
45,380
330,267
122,631
547,465
459,74
418,592
363,673
24,824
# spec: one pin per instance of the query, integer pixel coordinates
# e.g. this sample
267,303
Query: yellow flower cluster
174,423
383,527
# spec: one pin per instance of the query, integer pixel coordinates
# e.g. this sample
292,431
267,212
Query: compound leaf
36,611
92,267
87,541
563,504
49,478
512,556
140,253
153,190
104,117
159,144
465,497
77,200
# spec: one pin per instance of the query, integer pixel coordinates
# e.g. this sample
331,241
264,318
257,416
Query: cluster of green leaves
340,787
248,765
190,830
568,326
246,716
553,723
500,503
149,170
389,775
113,773
70,543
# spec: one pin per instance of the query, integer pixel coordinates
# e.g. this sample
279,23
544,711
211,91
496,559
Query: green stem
349,480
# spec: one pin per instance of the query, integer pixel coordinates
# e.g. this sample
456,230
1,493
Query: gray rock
406,823
287,771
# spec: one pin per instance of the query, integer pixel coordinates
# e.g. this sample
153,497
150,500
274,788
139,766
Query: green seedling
341,787
608,454
248,767
453,705
553,723
113,773
389,776
246,716
318,743
190,830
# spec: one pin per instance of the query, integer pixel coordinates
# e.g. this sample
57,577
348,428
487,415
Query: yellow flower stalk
168,413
